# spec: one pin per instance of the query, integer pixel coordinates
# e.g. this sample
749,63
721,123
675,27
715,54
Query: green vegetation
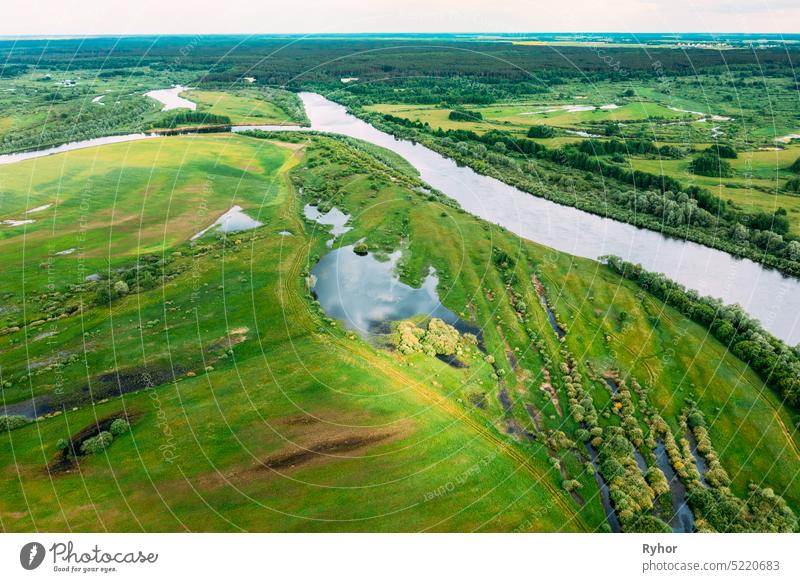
710,164
541,131
775,362
262,106
463,115
437,339
724,151
604,170
97,444
196,383
492,398
194,117
119,427
45,107
10,422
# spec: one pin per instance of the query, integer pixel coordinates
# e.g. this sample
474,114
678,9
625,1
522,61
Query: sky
93,17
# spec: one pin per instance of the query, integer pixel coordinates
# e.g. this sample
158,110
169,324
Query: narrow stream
605,494
681,518
551,317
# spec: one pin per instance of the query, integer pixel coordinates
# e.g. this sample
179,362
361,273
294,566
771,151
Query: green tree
710,164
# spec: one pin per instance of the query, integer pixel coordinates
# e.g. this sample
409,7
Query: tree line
777,364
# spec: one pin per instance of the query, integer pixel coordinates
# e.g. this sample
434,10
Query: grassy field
243,107
285,384
51,107
757,183
126,200
517,117
407,443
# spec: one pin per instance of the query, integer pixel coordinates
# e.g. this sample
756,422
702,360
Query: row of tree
775,362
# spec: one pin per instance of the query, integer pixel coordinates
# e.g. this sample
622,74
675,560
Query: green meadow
251,410
243,107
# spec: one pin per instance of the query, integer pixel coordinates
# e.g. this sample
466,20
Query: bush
542,131
62,444
97,444
105,294
723,151
795,167
647,524
192,117
792,185
13,421
119,426
462,115
710,164
361,249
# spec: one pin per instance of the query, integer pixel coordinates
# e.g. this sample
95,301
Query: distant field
242,106
757,185
518,117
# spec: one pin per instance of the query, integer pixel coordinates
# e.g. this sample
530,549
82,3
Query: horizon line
66,36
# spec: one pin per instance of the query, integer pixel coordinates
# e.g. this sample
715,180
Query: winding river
764,293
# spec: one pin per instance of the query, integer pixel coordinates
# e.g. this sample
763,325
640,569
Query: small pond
334,218
366,293
234,220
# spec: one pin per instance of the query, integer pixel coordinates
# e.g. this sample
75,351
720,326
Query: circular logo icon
31,555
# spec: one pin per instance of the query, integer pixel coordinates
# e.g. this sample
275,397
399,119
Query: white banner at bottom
401,557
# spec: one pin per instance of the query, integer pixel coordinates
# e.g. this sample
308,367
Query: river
764,293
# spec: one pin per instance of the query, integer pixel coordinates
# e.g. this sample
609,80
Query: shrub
192,117
361,249
462,115
121,288
541,131
13,421
792,185
119,426
62,444
723,151
438,339
696,419
97,444
710,164
105,294
647,524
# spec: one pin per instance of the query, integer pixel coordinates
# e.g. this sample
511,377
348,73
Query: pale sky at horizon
92,17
